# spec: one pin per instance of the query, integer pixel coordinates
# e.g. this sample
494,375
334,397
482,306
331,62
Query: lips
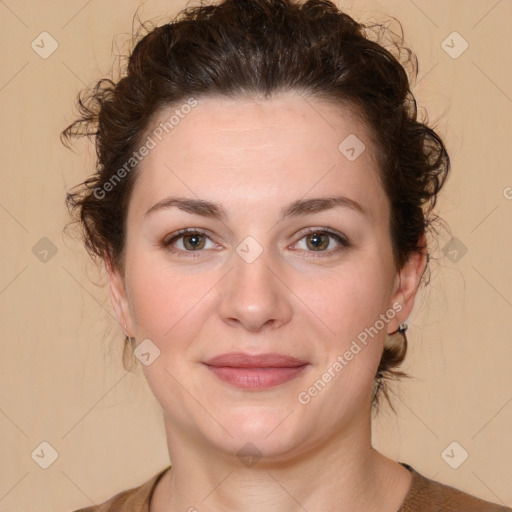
242,360
255,372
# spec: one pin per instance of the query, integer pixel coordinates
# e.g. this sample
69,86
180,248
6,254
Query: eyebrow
296,208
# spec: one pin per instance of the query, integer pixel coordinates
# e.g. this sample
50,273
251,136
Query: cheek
169,308
349,299
162,298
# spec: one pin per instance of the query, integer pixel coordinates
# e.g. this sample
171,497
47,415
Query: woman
261,203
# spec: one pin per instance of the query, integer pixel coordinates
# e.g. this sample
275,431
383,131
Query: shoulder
135,499
427,495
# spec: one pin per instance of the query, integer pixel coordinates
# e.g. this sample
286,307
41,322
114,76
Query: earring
402,328
128,338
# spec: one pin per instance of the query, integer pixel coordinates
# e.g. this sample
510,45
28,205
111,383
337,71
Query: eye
188,240
317,240
321,240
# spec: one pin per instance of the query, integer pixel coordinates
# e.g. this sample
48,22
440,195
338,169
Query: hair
257,48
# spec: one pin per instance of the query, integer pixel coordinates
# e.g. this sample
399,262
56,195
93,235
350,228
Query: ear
118,296
406,285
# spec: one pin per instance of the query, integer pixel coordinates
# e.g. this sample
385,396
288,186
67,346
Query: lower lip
256,378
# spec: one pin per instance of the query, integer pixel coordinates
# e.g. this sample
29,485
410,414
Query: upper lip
242,360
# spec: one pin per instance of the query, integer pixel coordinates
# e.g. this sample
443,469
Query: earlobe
118,296
408,280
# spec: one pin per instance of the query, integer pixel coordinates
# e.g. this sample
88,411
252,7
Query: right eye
190,240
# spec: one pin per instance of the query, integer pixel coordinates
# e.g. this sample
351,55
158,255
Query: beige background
62,379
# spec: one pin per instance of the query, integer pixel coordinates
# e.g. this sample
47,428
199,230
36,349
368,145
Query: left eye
320,241
190,241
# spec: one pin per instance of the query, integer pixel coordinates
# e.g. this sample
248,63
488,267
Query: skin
254,157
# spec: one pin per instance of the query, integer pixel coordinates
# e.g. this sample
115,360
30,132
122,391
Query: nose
254,297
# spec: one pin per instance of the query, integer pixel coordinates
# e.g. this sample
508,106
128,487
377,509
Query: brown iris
193,242
318,243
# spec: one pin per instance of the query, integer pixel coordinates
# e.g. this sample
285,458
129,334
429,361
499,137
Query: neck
343,474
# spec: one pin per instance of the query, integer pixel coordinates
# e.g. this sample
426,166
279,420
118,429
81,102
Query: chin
260,433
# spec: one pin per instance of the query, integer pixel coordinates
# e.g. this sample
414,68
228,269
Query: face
287,257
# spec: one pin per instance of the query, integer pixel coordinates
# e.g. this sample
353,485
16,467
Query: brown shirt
424,495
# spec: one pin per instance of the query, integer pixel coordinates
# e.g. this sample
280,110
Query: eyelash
344,243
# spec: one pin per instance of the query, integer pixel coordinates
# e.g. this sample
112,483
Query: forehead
258,150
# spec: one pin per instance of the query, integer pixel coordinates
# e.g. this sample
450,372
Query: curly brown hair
253,48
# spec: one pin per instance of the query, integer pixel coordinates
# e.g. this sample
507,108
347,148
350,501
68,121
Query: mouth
257,372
